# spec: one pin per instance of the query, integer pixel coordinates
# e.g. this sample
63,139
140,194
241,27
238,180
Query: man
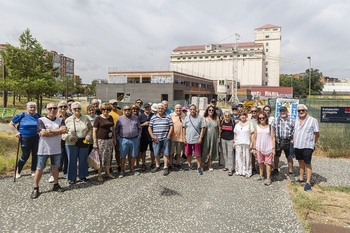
193,128
176,138
128,133
267,110
50,129
115,113
240,107
254,120
166,109
69,110
283,127
146,140
235,116
96,104
306,134
217,109
160,128
139,103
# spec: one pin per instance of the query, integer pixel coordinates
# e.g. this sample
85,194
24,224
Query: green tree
316,85
334,94
62,85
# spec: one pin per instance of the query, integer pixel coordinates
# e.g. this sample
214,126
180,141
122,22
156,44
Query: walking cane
14,180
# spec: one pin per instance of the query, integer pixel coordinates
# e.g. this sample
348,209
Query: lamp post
309,76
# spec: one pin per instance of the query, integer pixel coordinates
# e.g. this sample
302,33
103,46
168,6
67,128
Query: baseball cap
213,100
184,109
112,101
234,106
146,105
283,108
240,103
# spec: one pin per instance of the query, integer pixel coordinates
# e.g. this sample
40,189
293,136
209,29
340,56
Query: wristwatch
49,130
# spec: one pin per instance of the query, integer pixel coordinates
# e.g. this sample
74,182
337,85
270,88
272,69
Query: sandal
259,178
110,176
225,169
230,173
267,182
247,176
153,165
143,167
100,179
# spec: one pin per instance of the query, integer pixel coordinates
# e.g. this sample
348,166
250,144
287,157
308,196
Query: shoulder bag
80,142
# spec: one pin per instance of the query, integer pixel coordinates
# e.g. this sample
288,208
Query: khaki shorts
177,146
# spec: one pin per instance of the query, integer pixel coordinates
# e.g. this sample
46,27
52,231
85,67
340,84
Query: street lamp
309,76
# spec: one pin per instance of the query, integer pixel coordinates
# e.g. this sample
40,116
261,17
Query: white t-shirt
49,145
271,118
242,133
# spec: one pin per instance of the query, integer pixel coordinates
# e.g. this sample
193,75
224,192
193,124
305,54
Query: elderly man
146,140
166,109
176,138
115,113
128,132
217,109
235,117
96,105
254,120
283,127
160,128
306,134
267,110
50,129
193,128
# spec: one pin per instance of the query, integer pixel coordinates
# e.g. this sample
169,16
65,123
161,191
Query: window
200,57
189,57
238,55
275,29
267,50
195,58
267,44
225,56
245,49
244,55
206,57
251,49
146,80
195,84
202,52
197,52
267,36
265,83
231,55
188,84
266,75
266,63
217,56
180,53
267,69
184,58
191,52
186,53
212,56
178,58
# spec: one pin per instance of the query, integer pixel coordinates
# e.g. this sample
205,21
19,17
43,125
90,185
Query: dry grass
324,204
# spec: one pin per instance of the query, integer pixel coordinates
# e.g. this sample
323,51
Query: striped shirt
286,128
304,136
161,126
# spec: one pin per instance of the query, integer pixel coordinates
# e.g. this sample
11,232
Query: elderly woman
104,139
27,133
78,128
227,135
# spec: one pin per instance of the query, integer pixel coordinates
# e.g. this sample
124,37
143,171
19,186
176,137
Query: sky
115,33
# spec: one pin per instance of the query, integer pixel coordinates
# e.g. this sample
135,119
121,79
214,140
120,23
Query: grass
324,204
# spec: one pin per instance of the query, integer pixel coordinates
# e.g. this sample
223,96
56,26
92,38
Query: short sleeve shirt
304,136
219,112
193,131
176,136
104,127
49,145
28,124
145,134
243,134
161,126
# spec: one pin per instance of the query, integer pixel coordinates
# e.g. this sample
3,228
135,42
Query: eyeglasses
211,110
267,110
54,108
76,109
261,118
127,109
234,109
63,106
227,115
69,105
105,109
254,111
301,110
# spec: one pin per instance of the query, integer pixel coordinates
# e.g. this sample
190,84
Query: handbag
281,144
80,142
94,159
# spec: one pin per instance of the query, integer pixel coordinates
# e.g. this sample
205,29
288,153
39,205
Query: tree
334,94
316,85
62,85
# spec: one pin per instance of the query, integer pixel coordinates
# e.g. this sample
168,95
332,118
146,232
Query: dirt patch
326,228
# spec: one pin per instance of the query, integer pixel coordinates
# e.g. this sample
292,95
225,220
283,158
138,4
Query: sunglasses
267,110
254,111
180,119
127,109
301,110
211,110
105,109
76,109
95,104
227,115
134,109
69,105
54,108
63,106
139,102
261,118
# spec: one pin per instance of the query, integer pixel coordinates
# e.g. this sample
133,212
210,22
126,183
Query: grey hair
30,103
160,104
227,112
76,103
192,106
302,105
50,103
62,102
177,105
254,106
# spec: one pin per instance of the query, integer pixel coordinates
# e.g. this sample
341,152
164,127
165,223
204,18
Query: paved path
5,127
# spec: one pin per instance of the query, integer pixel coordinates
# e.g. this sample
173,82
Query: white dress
243,159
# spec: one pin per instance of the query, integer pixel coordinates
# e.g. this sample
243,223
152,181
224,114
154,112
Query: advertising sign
162,79
335,114
290,104
117,79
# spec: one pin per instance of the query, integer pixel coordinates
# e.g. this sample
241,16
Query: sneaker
170,168
57,188
178,167
291,177
18,176
300,181
85,180
155,169
119,168
199,170
166,172
33,173
121,174
253,171
211,169
51,180
274,172
72,182
64,176
35,194
132,172
307,187
187,169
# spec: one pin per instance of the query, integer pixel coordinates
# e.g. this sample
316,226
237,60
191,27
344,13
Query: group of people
65,136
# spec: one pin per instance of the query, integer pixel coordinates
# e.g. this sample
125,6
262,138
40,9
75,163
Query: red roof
202,47
268,26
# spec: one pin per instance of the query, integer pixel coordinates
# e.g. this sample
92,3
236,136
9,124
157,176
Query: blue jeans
129,144
28,144
165,145
73,152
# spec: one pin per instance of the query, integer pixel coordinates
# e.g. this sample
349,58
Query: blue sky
102,34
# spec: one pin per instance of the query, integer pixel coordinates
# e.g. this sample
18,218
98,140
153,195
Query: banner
290,104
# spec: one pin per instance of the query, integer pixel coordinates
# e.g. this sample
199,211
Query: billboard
335,114
290,104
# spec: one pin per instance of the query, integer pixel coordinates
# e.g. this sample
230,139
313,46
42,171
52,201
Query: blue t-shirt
235,118
169,111
27,126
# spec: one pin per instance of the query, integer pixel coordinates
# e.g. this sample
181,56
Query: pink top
263,141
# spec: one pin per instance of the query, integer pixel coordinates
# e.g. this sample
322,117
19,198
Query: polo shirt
176,136
27,125
161,126
304,136
49,145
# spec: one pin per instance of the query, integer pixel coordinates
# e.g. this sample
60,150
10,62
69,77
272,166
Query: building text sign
117,79
162,79
290,104
335,114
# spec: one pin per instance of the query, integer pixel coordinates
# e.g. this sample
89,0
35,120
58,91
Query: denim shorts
165,145
55,161
126,145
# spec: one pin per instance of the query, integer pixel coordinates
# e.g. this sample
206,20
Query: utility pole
4,95
67,89
309,76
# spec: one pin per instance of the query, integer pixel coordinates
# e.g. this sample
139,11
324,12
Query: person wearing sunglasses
128,132
146,140
139,103
115,113
267,110
227,135
254,120
264,146
69,110
306,134
79,128
50,129
235,117
27,133
104,140
176,138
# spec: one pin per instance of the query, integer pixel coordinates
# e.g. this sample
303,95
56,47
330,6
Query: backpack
22,116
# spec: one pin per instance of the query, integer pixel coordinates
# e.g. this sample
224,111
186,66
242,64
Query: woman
184,110
78,127
28,136
227,135
104,139
242,142
91,114
264,141
211,137
135,110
